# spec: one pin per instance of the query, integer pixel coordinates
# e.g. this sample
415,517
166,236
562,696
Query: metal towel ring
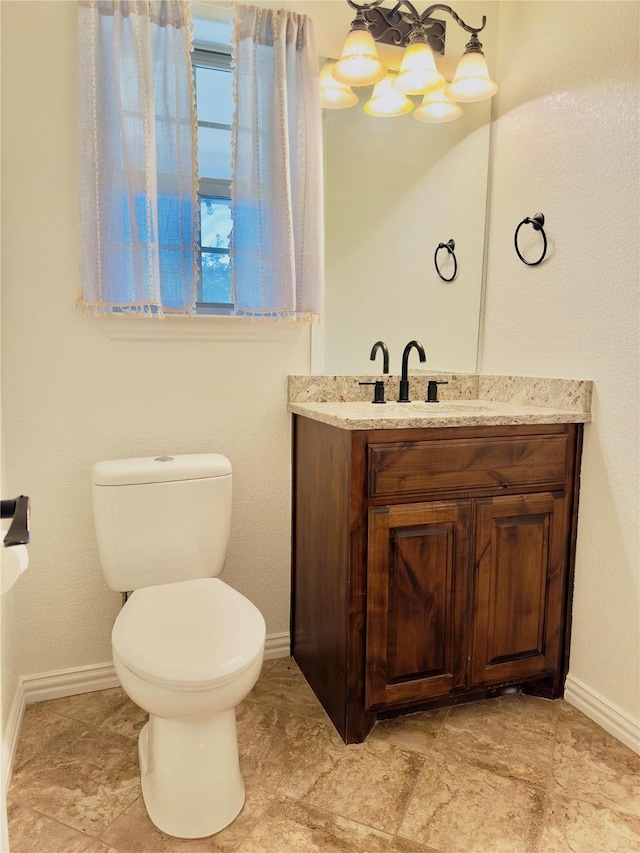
537,221
450,246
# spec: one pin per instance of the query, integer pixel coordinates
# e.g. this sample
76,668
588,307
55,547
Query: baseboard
277,646
68,682
604,713
11,735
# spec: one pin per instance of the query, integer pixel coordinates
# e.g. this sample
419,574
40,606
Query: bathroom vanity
432,549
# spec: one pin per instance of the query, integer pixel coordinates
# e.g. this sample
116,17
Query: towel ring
450,246
537,221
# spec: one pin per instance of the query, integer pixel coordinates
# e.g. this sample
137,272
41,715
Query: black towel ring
450,246
537,221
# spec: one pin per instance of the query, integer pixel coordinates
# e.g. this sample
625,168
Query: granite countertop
466,400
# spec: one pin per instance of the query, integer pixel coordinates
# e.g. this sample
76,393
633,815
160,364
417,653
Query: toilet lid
189,635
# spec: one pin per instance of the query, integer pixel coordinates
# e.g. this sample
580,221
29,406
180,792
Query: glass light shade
437,107
471,81
334,95
418,73
387,101
359,64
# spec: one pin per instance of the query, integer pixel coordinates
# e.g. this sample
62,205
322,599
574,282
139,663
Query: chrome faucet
385,354
403,396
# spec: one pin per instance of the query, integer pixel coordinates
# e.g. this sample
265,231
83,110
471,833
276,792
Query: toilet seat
190,635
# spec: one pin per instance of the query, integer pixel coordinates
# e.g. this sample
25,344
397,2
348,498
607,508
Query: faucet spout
385,354
403,396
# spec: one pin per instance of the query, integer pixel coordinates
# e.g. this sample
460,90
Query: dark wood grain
519,568
416,601
320,582
430,566
467,463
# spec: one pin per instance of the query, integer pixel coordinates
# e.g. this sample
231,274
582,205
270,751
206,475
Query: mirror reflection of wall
394,189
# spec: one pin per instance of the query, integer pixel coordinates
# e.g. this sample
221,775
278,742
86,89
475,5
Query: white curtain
277,240
138,181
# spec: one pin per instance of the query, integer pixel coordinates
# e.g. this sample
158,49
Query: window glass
214,95
214,153
216,286
214,102
215,223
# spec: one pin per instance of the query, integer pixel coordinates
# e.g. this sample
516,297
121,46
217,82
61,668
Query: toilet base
190,774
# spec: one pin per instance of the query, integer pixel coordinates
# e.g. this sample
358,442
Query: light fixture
418,73
437,107
335,95
471,81
422,36
386,101
359,64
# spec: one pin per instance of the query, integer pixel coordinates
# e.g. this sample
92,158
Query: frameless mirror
395,188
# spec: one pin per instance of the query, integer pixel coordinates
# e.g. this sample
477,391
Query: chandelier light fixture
422,36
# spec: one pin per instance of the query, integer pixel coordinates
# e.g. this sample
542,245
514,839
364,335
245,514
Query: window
214,102
153,274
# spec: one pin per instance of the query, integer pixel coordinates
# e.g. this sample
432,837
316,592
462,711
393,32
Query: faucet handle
378,391
432,391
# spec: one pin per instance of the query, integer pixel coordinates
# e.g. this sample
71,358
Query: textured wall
565,142
72,396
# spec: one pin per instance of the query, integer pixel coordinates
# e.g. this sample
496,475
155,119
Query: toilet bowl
187,647
188,653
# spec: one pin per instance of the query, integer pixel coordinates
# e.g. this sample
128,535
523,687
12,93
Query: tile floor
510,774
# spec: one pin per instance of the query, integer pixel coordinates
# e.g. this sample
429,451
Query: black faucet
403,396
385,354
18,510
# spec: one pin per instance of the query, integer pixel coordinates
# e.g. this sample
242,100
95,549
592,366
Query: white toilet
187,648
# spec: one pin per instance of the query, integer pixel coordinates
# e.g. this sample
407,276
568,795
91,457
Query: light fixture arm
442,8
394,26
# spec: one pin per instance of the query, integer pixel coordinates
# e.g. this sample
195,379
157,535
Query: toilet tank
163,519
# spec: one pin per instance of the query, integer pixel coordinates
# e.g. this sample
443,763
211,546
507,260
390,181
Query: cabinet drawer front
455,465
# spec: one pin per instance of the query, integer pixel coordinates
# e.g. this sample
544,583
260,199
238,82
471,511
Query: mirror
394,189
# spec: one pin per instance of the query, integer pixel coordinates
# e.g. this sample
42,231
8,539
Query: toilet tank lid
160,469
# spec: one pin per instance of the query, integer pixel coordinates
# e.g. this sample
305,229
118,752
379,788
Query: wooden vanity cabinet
431,566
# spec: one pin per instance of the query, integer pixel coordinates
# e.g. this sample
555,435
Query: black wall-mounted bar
18,510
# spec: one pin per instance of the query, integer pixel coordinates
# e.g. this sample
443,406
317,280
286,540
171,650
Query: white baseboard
11,735
68,682
604,713
277,646
80,679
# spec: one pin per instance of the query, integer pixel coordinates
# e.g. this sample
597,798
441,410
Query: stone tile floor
509,774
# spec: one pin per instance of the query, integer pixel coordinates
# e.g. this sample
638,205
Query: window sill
202,328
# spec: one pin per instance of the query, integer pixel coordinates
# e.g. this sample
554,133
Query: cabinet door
417,581
518,593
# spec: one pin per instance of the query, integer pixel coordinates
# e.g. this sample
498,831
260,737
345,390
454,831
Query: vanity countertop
466,400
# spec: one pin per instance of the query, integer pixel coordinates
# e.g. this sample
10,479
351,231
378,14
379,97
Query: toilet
187,648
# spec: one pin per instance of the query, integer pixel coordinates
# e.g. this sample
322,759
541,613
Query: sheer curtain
277,240
138,181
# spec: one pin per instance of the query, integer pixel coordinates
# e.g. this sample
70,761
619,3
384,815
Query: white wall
71,396
565,142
